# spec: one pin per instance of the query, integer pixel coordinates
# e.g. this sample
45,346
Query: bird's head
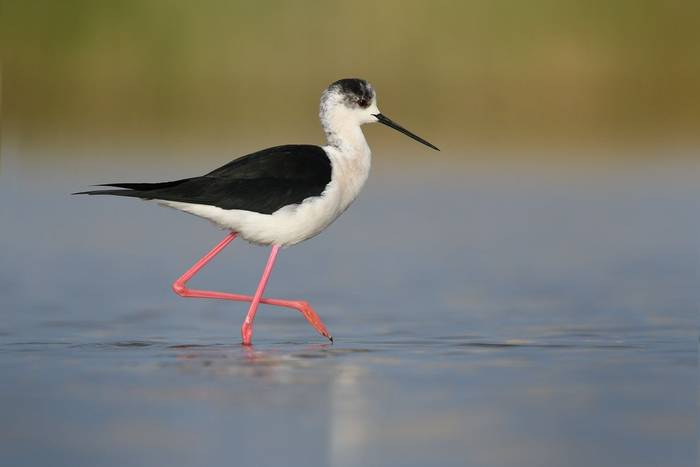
353,102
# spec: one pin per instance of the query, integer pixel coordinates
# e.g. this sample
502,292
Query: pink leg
247,328
180,288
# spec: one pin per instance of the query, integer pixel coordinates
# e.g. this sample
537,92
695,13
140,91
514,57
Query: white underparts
295,223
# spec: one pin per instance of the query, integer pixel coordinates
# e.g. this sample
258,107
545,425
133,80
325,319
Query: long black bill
388,122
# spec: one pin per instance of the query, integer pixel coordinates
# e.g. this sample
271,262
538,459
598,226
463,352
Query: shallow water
479,319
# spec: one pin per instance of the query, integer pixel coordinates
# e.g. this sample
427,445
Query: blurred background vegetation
242,75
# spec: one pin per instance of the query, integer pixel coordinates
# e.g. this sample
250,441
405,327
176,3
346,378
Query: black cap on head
357,91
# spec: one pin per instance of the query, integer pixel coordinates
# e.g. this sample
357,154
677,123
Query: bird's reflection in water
271,364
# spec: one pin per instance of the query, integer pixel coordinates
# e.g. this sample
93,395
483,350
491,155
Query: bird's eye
363,102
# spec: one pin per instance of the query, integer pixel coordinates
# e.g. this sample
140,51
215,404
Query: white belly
298,222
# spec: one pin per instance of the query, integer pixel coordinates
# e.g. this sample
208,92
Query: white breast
295,223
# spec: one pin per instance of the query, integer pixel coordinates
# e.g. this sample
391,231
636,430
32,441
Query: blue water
481,317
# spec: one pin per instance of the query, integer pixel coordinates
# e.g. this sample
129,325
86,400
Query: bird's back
261,182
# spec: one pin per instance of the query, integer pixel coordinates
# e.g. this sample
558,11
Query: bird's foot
247,333
313,319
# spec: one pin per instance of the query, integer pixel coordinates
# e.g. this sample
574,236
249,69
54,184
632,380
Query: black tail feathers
135,190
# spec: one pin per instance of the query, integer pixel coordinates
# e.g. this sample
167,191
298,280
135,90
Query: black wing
263,181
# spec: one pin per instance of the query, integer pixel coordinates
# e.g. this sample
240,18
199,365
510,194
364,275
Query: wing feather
262,182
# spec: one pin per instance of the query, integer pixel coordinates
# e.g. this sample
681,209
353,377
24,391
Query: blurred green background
476,77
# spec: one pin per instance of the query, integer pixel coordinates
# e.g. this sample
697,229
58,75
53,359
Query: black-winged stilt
278,196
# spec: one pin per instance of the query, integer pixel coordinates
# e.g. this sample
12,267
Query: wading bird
278,196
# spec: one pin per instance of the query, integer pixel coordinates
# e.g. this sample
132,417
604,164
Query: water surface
479,319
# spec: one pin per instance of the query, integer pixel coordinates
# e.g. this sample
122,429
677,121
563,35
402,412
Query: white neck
343,132
348,150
